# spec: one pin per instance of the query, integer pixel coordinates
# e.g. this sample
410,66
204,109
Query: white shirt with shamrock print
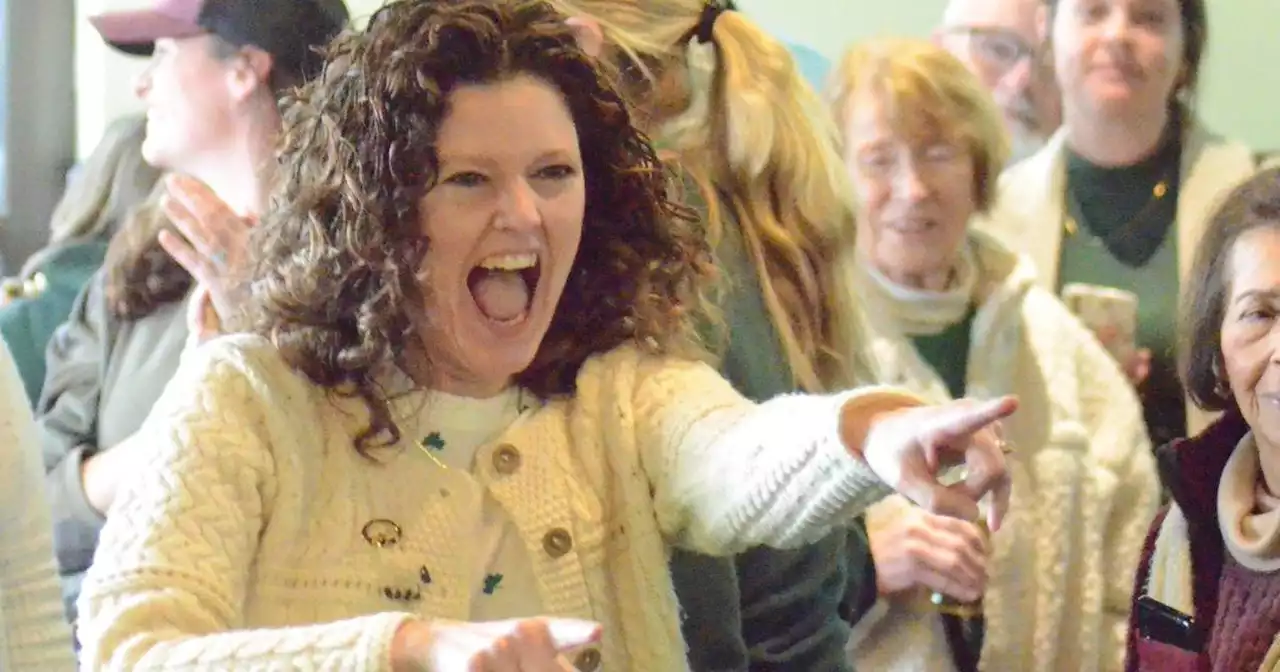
454,429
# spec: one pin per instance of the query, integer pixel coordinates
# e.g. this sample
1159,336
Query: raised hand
214,240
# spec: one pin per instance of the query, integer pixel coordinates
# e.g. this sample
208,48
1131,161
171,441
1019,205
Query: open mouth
503,286
912,225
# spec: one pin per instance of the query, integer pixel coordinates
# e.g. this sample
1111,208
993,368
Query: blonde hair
925,93
114,179
751,133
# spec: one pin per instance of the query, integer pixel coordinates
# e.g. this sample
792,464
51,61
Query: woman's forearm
102,473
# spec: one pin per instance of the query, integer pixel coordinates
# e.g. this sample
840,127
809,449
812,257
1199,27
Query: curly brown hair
334,274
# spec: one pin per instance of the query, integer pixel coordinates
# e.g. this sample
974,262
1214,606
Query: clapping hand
213,243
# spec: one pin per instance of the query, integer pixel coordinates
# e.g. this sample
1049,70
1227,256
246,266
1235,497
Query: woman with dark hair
469,394
211,93
1120,196
1210,571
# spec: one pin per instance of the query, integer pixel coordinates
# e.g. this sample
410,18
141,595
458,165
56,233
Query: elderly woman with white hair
952,313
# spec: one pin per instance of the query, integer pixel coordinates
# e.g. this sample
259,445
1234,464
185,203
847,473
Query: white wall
1240,90
39,120
1241,85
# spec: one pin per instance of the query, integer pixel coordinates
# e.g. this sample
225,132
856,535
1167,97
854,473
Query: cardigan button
587,660
506,459
557,542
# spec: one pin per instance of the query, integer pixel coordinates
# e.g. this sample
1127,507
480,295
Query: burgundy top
1237,610
1190,470
1248,618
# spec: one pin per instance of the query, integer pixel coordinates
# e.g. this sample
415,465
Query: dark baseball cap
289,30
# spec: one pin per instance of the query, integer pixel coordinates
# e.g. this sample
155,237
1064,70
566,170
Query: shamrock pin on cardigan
430,445
433,441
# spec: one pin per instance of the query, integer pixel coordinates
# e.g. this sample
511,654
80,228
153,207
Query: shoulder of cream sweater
33,634
231,383
235,359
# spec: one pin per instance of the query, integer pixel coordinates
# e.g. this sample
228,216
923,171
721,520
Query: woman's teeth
509,262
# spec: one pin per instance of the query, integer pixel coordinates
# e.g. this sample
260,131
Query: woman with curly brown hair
211,92
469,395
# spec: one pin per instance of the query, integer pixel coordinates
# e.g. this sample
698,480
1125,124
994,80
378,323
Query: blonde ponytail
757,140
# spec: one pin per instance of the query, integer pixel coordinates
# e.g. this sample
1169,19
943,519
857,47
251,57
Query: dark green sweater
947,353
766,609
28,323
1127,239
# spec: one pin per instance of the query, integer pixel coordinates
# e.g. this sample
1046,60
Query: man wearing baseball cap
212,94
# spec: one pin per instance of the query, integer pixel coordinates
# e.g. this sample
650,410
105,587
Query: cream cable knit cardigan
1085,486
33,632
240,546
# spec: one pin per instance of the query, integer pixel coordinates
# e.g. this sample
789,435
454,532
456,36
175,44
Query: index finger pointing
968,421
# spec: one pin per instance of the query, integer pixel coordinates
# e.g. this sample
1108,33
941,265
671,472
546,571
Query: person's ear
249,71
588,33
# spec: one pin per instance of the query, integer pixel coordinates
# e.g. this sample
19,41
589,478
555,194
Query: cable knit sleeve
167,588
33,634
1120,472
728,474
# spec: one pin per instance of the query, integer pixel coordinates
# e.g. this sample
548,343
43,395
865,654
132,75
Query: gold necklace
1158,192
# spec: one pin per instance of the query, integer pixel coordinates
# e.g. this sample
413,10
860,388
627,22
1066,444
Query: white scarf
1249,515
919,312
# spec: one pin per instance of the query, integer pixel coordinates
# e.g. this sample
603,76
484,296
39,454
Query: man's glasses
999,48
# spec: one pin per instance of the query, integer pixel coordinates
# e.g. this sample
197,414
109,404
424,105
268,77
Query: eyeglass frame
980,39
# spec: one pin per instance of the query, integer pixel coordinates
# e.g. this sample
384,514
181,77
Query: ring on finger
1001,443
